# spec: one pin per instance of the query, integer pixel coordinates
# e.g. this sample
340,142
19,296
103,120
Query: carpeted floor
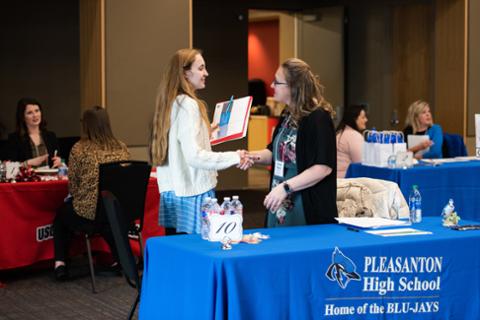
31,293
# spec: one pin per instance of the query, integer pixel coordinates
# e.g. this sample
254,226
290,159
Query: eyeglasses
277,83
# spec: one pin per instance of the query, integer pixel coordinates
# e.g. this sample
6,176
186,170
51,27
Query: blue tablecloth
459,181
315,272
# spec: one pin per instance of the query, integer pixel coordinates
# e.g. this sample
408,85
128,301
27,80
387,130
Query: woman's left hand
274,199
57,162
214,128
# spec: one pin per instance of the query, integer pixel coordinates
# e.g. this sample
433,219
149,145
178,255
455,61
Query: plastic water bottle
237,206
392,161
215,207
3,172
226,206
205,226
63,172
415,205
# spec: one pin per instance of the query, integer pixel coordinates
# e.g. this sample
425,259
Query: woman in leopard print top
78,213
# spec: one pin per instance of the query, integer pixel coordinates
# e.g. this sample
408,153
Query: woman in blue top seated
420,122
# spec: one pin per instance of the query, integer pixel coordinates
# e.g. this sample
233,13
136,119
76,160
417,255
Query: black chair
120,225
128,181
453,146
65,144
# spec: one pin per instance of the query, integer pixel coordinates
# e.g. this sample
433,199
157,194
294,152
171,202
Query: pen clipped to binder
232,118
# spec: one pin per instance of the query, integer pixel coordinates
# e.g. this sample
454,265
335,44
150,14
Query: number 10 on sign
225,226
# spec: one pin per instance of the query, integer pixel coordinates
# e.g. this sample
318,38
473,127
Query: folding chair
127,181
120,224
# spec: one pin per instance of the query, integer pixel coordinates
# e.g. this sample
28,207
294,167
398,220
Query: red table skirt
27,211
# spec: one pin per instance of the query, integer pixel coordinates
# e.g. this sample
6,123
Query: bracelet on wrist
287,188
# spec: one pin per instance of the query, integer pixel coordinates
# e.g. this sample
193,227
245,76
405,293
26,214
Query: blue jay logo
342,269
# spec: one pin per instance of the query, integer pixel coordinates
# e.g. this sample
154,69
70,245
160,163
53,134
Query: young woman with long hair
180,145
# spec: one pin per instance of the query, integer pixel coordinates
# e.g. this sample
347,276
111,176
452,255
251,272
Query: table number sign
225,226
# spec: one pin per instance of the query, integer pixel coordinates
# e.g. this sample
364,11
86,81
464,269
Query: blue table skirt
459,181
294,275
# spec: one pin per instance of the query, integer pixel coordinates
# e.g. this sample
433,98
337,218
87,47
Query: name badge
279,165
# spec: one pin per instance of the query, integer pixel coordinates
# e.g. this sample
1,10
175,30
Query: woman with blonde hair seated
420,122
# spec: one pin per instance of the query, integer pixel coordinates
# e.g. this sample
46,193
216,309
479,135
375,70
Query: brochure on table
413,140
232,118
371,223
400,232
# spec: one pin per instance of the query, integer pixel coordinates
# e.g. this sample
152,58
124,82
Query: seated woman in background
97,146
349,137
31,143
420,122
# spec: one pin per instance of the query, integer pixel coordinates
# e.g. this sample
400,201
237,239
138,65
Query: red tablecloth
27,211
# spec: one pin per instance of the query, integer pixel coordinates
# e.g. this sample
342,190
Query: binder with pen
232,118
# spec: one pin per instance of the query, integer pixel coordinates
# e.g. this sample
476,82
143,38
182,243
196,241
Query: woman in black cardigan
303,151
31,143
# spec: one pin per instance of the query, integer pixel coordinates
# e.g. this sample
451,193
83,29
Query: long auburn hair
96,128
173,83
305,90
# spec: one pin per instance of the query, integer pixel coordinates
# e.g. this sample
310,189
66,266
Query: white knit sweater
192,166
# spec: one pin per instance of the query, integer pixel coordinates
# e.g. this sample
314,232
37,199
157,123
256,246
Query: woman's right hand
245,161
56,162
421,146
426,144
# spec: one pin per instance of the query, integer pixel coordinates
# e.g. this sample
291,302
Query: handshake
247,159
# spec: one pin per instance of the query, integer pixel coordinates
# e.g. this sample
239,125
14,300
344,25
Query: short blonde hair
413,112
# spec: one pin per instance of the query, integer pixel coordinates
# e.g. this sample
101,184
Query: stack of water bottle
211,207
380,145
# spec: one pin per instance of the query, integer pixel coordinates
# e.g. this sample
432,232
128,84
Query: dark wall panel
220,29
39,57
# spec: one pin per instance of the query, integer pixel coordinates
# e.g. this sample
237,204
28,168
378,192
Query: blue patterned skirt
182,213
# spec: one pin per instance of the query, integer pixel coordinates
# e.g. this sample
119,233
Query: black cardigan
19,149
316,144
